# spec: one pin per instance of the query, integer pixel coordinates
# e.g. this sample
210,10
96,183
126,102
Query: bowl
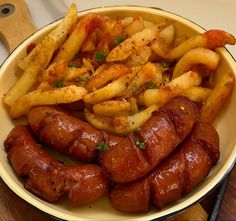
102,210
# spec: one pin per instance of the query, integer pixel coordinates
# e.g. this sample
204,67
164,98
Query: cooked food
135,90
47,177
65,133
176,176
131,157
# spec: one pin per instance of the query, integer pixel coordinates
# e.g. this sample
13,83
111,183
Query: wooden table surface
13,208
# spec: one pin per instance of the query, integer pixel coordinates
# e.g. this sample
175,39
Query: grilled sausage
125,162
65,133
175,176
48,178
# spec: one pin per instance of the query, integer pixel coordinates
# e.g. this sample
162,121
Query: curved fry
172,89
193,57
210,39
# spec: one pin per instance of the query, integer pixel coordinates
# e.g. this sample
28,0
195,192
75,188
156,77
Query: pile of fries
122,69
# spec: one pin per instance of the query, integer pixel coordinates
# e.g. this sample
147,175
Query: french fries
118,67
42,53
136,41
126,125
113,89
39,57
217,98
112,108
51,97
73,44
109,74
196,56
174,88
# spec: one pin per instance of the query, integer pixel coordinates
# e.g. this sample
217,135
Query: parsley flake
100,56
58,83
102,146
151,85
74,65
140,144
82,79
119,40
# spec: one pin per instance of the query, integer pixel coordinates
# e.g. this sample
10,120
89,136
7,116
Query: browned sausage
65,133
48,178
175,176
125,162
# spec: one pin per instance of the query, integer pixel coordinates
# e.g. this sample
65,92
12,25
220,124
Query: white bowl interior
102,209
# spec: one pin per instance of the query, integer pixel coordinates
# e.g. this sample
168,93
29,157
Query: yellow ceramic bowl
102,210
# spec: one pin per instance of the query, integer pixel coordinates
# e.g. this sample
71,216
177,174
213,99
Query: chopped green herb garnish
119,40
74,65
47,113
77,54
139,144
134,88
151,85
82,79
102,146
100,56
58,83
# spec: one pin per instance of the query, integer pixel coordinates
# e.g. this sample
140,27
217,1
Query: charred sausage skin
176,176
48,178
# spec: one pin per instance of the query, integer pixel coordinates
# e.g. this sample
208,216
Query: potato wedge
196,56
75,40
54,71
164,40
22,85
128,46
113,89
100,122
139,57
111,73
51,97
126,125
112,108
135,26
197,94
77,74
214,103
148,73
43,52
173,88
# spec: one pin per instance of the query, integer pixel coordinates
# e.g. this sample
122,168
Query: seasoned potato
196,56
75,40
43,52
109,74
55,96
126,125
197,94
215,101
173,88
112,108
113,89
128,46
100,122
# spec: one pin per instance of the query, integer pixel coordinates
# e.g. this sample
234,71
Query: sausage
65,133
176,176
124,161
47,177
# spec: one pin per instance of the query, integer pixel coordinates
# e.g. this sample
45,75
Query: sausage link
175,176
125,162
47,177
65,133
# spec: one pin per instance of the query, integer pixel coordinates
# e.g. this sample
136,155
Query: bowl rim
179,207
